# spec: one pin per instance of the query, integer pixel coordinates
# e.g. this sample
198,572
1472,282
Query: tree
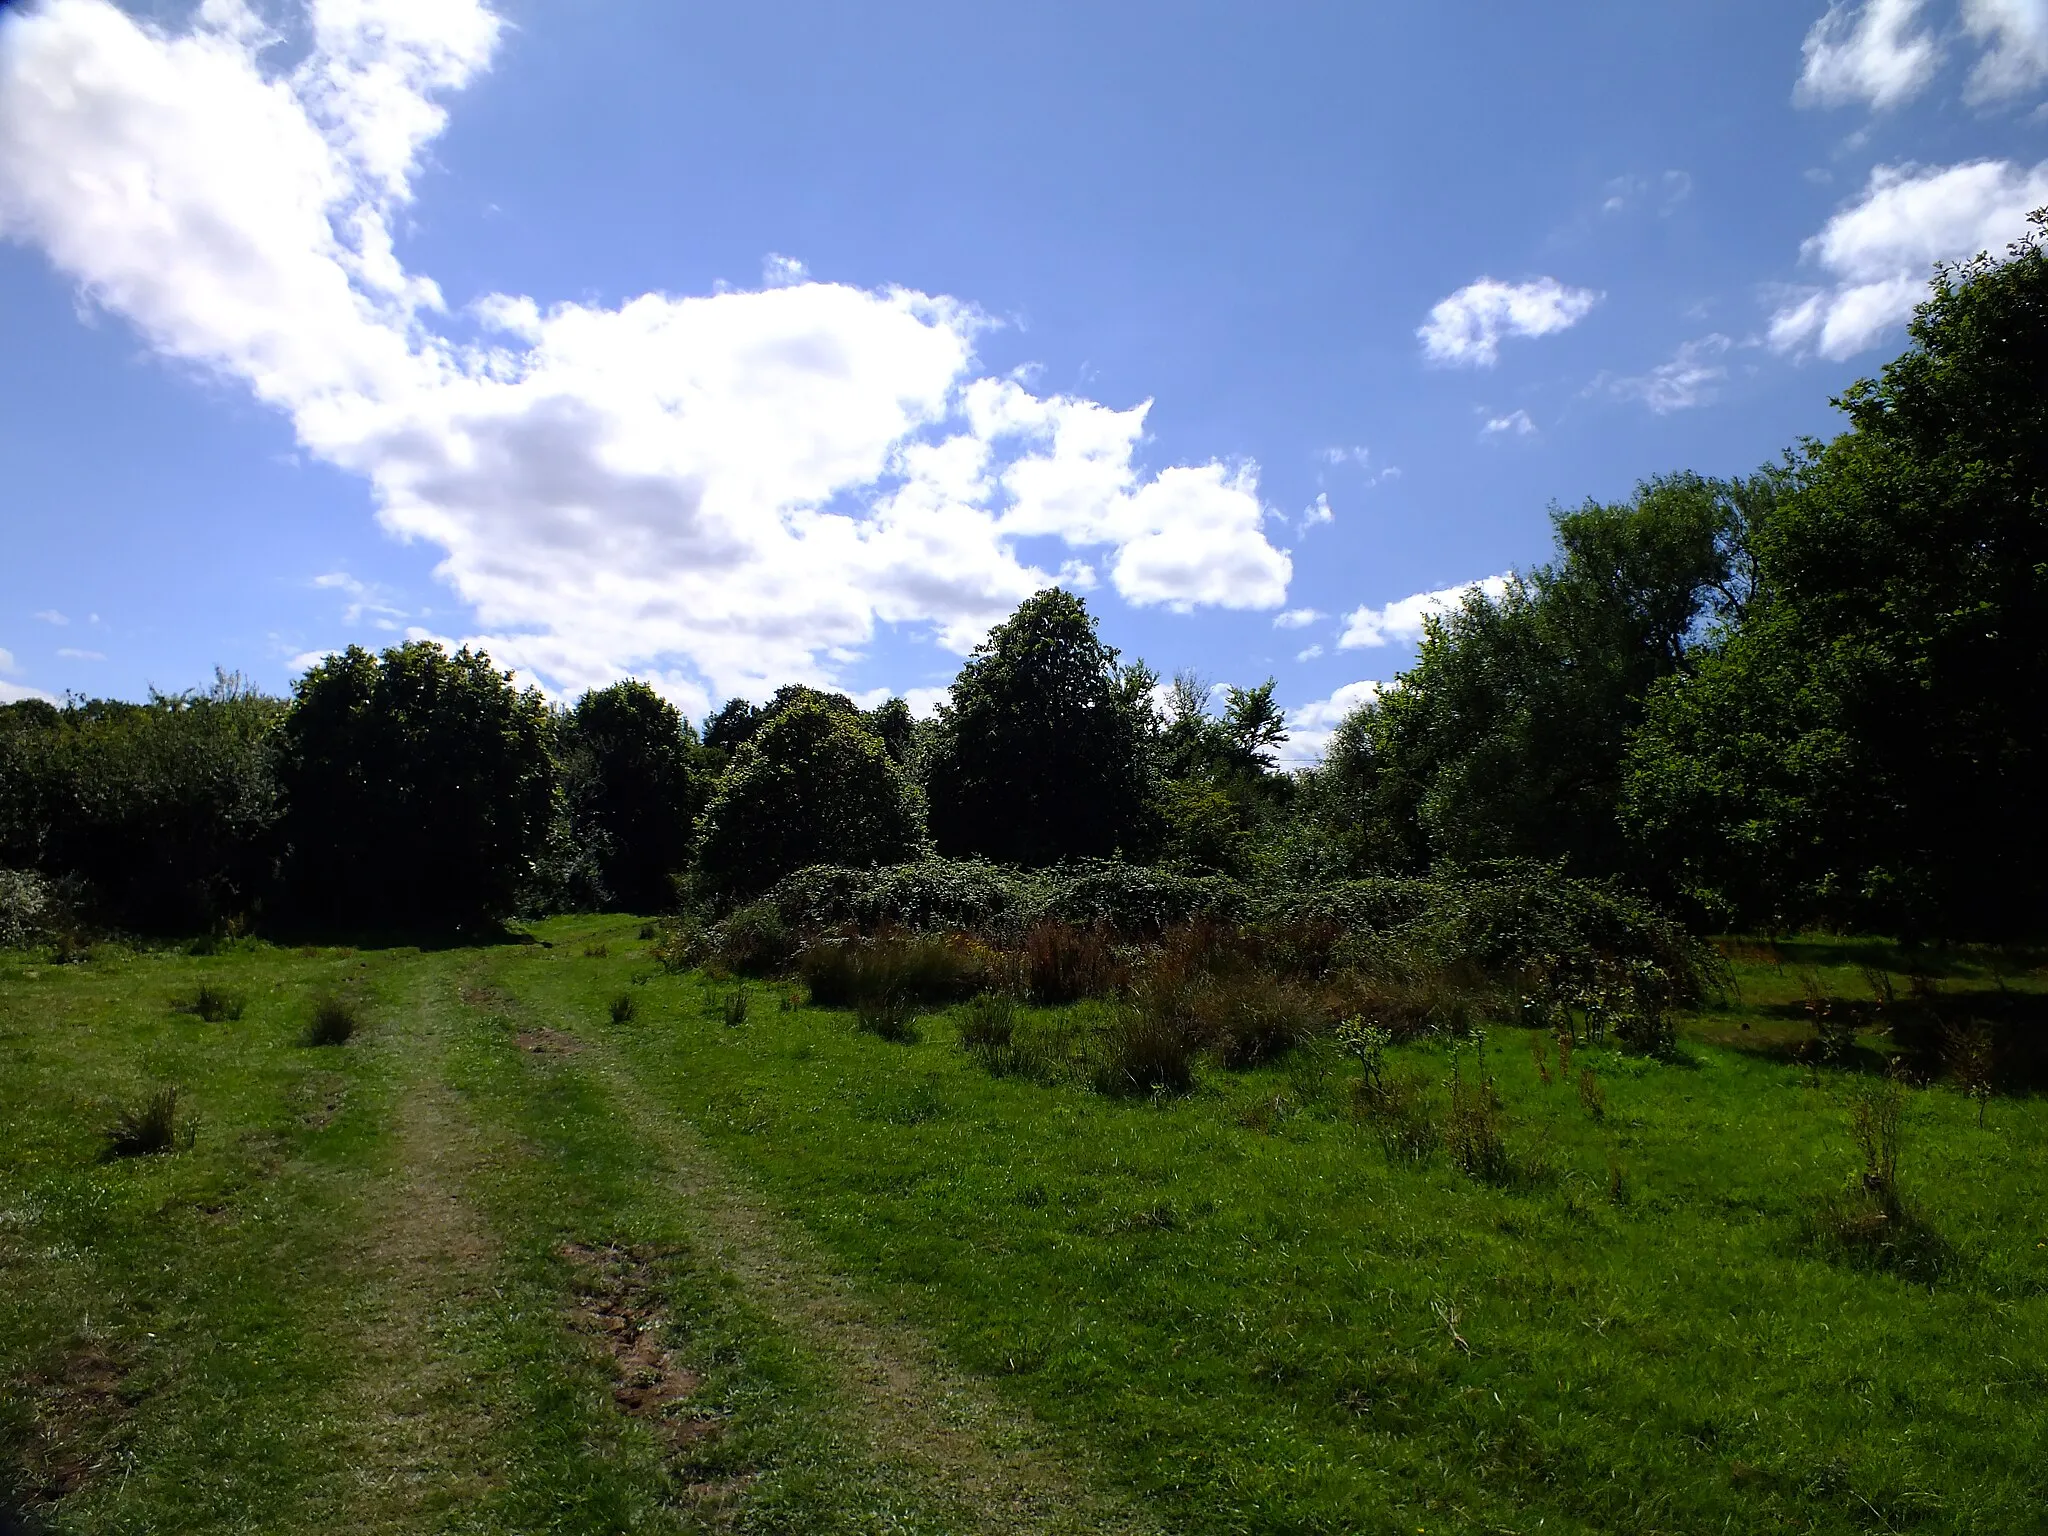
1508,736
814,786
1039,754
419,787
635,781
1867,744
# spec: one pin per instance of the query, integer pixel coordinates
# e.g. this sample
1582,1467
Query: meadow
549,1237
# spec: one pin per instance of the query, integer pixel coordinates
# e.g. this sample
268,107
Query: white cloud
1879,252
14,693
71,654
1514,424
1872,53
1467,328
1691,378
925,702
52,616
727,490
367,600
1310,654
2015,59
1316,513
1296,618
1666,192
1310,727
1401,622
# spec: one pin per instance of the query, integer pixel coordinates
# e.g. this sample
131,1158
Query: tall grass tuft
625,1008
734,1007
1474,1125
890,1016
1144,1050
844,973
148,1128
334,1022
1064,963
214,1005
988,1031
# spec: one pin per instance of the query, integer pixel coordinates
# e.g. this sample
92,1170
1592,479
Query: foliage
1040,753
634,780
419,789
752,940
844,972
814,786
27,907
335,1022
1508,736
166,809
1864,746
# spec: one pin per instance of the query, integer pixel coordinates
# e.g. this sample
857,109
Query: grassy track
897,1295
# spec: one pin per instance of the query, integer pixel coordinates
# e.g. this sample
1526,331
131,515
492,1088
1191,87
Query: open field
513,1260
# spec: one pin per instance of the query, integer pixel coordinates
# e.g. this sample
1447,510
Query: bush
815,786
843,973
1063,964
924,894
148,1128
753,941
1255,1019
27,908
420,789
166,811
335,1022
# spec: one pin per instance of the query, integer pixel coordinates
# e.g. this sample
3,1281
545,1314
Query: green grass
1231,1307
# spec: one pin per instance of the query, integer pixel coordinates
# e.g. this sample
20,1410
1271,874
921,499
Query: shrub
27,907
214,1005
680,944
625,1008
1252,1020
1063,964
846,972
334,1022
815,786
148,1128
634,781
923,895
753,941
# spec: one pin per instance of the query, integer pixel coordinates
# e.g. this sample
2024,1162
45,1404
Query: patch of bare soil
616,1305
547,1042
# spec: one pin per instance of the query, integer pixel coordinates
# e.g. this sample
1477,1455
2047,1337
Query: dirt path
421,1426
990,1461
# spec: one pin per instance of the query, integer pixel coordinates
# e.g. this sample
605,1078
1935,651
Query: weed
1879,981
214,1005
680,945
1564,1054
1402,1113
335,1022
1834,1027
1144,1051
1474,1129
1617,1181
647,931
753,941
734,1007
1877,1116
1592,1095
1972,1057
1253,1019
790,1001
1063,963
1367,1045
597,951
843,973
988,1028
149,1128
890,1016
625,1008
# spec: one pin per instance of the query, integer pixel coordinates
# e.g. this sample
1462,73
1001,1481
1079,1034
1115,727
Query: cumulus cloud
1296,618
1514,424
1878,253
1310,727
1691,378
14,693
1401,622
2015,58
1875,53
728,490
1466,329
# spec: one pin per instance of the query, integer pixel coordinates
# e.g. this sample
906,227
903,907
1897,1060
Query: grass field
519,1257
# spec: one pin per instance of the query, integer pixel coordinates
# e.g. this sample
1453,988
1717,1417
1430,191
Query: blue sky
730,344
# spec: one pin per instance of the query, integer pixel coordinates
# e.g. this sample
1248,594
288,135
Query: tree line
1808,695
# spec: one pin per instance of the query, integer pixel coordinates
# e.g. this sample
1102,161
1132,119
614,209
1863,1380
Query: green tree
1867,744
1508,737
635,780
420,789
1040,753
814,786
